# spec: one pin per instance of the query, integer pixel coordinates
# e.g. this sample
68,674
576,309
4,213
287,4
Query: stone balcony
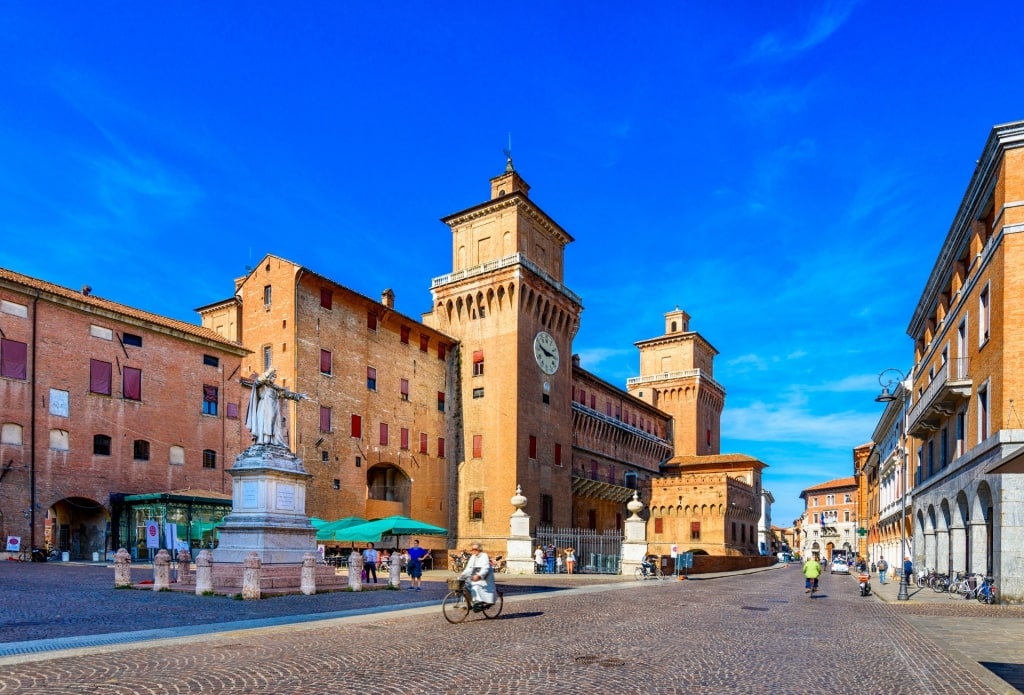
950,388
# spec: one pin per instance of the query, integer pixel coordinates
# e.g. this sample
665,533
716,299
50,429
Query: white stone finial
518,500
635,505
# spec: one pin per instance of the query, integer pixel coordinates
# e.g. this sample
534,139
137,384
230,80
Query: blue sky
784,172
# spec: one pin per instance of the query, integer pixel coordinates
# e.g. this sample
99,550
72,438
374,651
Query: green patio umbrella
334,530
317,523
373,531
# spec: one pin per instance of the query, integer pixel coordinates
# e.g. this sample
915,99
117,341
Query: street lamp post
887,379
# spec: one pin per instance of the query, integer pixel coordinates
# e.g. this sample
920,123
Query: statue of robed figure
263,417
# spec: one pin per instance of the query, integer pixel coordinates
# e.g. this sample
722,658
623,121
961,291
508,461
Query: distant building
830,519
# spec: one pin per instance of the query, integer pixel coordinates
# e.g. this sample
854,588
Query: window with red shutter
13,359
326,362
99,377
131,387
325,419
357,426
383,434
326,297
478,445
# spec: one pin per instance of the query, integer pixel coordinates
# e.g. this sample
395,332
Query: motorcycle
865,584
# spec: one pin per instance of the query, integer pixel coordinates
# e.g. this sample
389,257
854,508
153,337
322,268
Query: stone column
979,547
251,576
204,573
634,543
395,569
942,550
308,579
929,552
122,569
519,548
355,571
162,571
958,549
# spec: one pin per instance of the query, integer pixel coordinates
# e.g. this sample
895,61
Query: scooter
865,585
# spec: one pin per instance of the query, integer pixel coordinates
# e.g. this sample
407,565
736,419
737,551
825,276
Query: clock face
546,353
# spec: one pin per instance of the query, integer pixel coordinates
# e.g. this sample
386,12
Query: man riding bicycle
479,577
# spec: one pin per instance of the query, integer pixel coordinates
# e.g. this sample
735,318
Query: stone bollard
355,571
184,565
122,569
307,582
251,576
204,573
162,571
395,570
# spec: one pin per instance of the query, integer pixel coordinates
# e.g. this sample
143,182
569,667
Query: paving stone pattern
751,633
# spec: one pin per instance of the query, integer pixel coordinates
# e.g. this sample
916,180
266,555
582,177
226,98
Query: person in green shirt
812,570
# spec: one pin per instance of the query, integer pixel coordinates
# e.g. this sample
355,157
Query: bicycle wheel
639,574
939,585
495,610
657,572
455,607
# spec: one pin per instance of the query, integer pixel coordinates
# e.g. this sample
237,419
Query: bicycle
458,603
459,561
964,586
647,570
986,591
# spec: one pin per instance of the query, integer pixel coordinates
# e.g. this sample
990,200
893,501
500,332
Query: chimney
387,298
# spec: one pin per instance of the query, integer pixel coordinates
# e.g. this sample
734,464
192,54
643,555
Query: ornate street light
886,379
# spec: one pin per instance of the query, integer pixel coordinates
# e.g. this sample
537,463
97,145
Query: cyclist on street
812,570
479,576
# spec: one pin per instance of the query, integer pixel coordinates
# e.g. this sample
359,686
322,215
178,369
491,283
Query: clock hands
545,351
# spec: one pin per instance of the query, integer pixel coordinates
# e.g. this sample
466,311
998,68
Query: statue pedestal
519,553
268,514
634,544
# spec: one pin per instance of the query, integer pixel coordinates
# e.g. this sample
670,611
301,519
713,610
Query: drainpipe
32,430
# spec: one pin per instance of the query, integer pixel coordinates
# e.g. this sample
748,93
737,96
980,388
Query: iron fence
597,552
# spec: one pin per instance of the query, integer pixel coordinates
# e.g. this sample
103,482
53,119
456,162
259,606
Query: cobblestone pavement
750,633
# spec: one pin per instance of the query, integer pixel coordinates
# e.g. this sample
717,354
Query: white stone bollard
395,570
307,583
251,576
162,571
122,568
355,571
204,573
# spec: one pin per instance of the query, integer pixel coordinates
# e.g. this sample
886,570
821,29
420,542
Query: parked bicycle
459,561
986,591
647,570
458,603
499,564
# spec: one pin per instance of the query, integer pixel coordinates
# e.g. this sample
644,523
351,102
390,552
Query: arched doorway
388,491
78,526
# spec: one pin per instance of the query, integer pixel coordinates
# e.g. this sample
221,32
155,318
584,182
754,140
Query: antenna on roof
508,154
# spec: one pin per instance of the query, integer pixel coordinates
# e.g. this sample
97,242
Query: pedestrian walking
908,570
883,567
370,559
416,556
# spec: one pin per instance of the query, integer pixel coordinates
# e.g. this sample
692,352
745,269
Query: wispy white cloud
795,423
775,47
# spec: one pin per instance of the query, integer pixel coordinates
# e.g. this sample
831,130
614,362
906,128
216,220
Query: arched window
477,508
11,433
100,445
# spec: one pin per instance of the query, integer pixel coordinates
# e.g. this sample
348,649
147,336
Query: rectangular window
961,434
846,517
209,400
383,434
232,411
478,392
533,447
268,357
209,458
659,524
404,332
423,442
943,447
404,436
131,384
441,351
357,426
478,446
404,389
847,498
478,363
371,378
99,377
268,295
424,343
326,362
547,509
583,397
440,447
101,445
694,530
477,508
326,297
325,419
131,339
984,315
140,450
593,402
558,454
211,361
13,359
440,401
371,320
982,414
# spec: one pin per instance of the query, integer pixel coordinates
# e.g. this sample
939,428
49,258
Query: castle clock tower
515,320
